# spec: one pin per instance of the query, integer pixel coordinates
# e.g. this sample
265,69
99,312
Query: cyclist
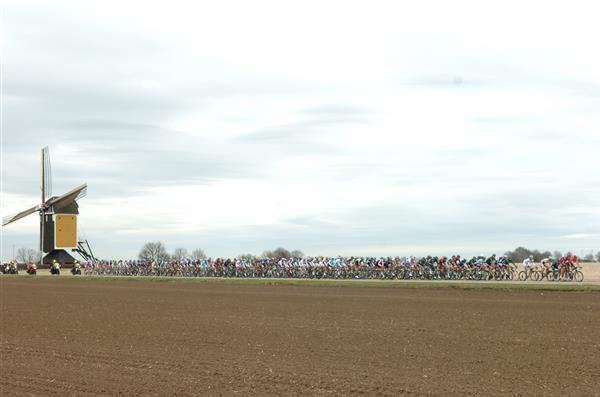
573,261
528,264
491,263
564,265
570,265
441,265
546,266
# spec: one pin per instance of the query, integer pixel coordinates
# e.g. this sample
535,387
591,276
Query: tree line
519,254
157,252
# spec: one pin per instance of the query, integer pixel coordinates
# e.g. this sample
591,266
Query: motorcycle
32,270
76,271
10,268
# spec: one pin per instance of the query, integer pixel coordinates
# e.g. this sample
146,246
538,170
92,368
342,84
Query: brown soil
67,336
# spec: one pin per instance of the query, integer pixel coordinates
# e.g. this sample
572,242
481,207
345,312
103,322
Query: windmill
58,217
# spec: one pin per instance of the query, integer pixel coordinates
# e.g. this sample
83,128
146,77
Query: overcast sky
333,128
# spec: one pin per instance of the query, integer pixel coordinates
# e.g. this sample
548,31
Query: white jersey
527,263
546,261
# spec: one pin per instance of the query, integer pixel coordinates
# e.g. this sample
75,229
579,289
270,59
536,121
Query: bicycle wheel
522,275
578,276
536,276
568,276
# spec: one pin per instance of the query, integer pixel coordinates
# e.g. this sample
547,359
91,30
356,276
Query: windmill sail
11,218
46,174
69,197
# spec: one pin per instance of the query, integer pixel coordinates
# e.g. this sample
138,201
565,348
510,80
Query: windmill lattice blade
47,172
70,196
82,193
11,218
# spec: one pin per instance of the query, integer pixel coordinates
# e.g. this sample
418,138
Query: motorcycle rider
55,267
76,268
31,268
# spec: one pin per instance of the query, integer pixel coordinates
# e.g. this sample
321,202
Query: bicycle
532,274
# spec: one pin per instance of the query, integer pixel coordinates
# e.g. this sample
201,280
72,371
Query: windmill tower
58,217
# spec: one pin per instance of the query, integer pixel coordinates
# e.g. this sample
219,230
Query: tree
26,255
519,254
282,253
588,258
537,256
297,254
180,254
247,257
598,256
154,252
198,254
557,255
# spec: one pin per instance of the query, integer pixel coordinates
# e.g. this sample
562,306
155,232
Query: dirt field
68,336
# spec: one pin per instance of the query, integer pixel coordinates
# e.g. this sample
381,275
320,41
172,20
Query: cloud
580,235
307,131
238,132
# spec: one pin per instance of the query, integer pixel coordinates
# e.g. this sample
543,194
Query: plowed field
68,336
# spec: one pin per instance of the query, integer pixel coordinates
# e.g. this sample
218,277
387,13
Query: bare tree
537,256
297,254
155,252
198,254
282,253
598,256
557,255
26,255
180,254
519,254
588,258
